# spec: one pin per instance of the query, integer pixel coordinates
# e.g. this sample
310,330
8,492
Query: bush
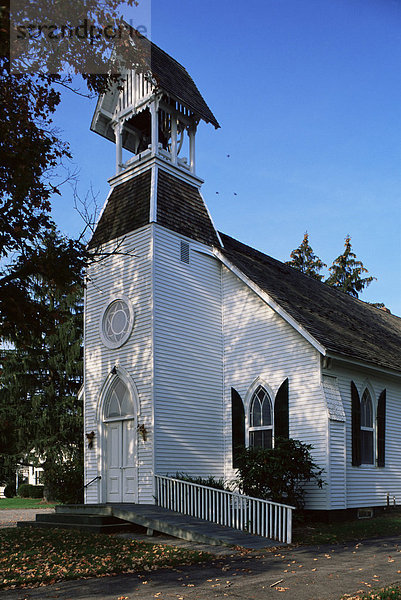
218,484
9,490
26,490
278,474
64,481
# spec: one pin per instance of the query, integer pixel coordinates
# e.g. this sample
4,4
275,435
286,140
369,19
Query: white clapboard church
196,343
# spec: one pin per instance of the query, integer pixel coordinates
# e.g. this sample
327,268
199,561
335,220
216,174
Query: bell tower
152,117
145,307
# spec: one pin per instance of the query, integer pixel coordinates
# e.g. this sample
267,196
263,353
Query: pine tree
304,259
346,272
42,371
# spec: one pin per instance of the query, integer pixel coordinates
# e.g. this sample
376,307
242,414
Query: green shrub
64,481
218,484
9,490
278,474
26,490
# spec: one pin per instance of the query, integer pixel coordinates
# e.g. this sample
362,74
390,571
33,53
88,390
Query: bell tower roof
160,73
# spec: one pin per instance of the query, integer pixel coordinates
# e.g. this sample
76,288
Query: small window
367,430
185,252
260,420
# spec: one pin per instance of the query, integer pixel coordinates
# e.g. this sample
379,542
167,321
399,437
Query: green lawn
30,557
356,529
10,503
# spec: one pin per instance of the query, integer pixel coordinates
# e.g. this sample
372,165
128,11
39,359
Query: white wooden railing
260,517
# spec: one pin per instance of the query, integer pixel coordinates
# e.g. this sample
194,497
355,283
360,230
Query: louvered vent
185,252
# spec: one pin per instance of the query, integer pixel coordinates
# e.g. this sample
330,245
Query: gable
340,323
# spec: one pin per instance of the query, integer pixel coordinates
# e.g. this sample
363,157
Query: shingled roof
174,79
340,323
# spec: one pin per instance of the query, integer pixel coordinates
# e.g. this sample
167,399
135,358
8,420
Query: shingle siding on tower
127,210
180,208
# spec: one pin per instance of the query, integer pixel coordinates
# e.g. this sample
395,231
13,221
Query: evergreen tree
42,370
304,259
346,272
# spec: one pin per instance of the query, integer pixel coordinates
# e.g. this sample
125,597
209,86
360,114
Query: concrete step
80,519
94,528
92,509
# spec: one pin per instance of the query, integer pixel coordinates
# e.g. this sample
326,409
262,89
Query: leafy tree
31,149
42,371
304,259
346,272
280,473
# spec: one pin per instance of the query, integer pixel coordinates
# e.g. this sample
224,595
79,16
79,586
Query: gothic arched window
260,420
367,429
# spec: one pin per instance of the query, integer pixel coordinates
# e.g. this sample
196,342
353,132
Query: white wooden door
121,472
128,462
113,461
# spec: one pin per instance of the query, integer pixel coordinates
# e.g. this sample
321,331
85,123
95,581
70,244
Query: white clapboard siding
336,474
337,467
114,276
188,359
369,485
259,343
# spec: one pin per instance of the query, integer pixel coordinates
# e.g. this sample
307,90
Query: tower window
117,322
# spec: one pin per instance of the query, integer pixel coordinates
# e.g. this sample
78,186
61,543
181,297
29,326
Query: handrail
91,481
254,515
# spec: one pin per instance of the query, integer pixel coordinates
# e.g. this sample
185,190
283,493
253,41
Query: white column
155,127
174,139
191,133
118,129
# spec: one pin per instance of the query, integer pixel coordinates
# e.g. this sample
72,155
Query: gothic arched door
120,470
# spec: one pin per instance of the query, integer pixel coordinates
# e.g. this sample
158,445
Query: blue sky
308,95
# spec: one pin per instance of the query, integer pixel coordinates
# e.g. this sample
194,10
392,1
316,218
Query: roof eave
347,359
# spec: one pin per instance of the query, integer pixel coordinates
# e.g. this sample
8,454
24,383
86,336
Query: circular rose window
117,322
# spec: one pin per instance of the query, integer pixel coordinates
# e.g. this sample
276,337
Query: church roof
342,324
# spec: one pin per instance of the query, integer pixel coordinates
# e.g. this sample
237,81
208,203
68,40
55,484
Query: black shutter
238,425
281,412
381,430
356,426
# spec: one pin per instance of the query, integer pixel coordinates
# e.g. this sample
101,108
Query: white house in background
26,474
196,343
